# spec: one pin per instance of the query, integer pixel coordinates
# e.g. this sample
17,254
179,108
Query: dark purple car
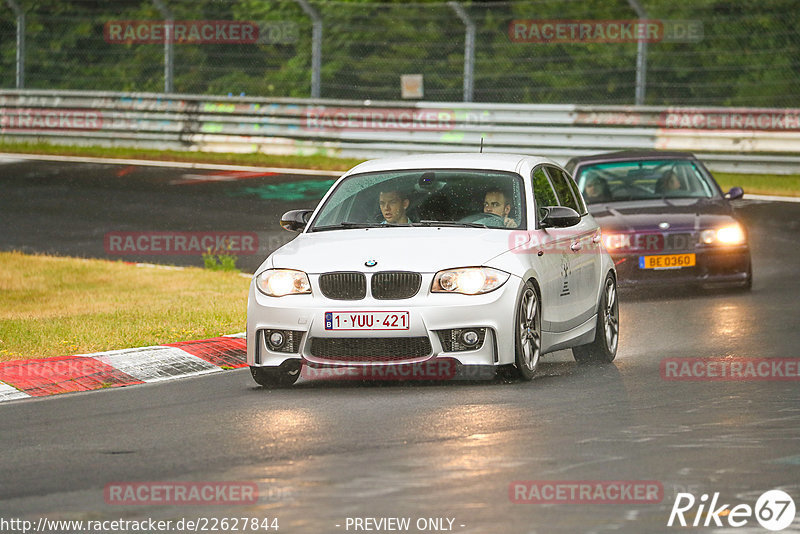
664,218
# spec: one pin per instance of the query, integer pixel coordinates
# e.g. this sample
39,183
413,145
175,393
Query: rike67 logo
774,510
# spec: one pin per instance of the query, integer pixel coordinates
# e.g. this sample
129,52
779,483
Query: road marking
7,160
154,364
11,393
788,460
223,176
171,164
770,198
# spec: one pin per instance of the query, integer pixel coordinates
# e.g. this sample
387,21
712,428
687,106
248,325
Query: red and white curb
21,379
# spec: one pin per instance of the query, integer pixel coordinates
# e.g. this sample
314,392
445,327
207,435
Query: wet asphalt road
70,209
324,452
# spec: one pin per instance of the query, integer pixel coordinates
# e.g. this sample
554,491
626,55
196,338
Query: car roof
630,155
456,160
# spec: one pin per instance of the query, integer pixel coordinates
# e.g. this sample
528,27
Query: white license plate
367,320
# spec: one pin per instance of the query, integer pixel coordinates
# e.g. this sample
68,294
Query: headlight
727,235
280,282
468,280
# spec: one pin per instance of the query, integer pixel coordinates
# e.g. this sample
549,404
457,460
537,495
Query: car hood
405,249
686,215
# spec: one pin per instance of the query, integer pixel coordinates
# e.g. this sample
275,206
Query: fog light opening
470,338
276,340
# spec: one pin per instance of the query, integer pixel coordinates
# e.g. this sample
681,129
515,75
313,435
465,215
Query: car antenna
481,145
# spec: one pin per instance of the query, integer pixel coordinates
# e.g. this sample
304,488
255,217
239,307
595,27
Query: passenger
393,204
668,182
495,201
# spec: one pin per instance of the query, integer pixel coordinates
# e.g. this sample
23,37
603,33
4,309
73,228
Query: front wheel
604,347
748,284
528,332
282,376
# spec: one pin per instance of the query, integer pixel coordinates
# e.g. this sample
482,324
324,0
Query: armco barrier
734,139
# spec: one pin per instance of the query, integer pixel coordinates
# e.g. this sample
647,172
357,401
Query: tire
606,335
282,376
528,332
748,284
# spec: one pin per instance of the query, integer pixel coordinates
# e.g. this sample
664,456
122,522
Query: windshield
643,180
468,198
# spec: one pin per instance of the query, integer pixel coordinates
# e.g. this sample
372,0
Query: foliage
748,56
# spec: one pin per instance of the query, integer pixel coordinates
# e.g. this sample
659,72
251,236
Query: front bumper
428,315
715,266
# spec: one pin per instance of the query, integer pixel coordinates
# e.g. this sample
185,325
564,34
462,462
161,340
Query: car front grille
395,285
370,349
343,285
388,285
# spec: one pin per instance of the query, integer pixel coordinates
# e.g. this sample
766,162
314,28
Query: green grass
761,184
255,159
53,306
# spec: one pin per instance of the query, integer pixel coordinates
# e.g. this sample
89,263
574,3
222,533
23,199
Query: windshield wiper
455,224
345,224
350,224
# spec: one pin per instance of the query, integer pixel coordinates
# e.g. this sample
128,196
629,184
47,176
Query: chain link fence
708,52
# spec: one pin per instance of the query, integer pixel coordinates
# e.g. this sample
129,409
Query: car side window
561,183
542,191
578,196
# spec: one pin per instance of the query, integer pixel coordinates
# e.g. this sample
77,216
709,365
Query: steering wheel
489,219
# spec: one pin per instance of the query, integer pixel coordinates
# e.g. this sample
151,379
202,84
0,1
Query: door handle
576,246
597,238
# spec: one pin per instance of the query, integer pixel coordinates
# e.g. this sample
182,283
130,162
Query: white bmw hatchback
434,266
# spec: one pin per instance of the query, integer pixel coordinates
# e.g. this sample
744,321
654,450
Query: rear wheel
604,347
282,376
528,332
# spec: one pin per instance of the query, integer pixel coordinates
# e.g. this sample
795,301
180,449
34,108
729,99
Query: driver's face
393,207
673,183
496,203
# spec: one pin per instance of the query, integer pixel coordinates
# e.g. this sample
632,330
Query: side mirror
559,217
295,220
734,193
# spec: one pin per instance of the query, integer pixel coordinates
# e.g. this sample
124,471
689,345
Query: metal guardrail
729,139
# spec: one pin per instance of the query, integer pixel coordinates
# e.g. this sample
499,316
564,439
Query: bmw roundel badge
370,263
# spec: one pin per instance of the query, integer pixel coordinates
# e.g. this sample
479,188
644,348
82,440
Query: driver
495,201
596,190
393,204
668,182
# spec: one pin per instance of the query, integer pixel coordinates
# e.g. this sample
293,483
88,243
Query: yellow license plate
667,261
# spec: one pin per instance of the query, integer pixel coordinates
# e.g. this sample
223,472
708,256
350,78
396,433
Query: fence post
469,49
168,45
20,82
641,55
316,46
